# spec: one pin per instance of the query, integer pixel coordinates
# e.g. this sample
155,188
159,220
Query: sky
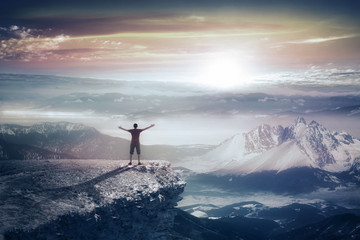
192,41
200,70
183,113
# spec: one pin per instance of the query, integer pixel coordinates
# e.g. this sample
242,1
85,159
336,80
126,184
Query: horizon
183,113
200,70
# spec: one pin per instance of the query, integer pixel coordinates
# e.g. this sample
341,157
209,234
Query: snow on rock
263,138
218,157
238,148
199,214
42,128
82,199
265,148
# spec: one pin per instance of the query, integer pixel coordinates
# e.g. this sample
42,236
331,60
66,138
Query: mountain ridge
75,140
278,148
66,140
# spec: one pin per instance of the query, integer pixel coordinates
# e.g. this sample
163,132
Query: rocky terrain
87,199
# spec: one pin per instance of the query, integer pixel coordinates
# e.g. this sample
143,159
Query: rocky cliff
87,199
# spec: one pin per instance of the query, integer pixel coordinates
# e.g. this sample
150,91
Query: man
135,140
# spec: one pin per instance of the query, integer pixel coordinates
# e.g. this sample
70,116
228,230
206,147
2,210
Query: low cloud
101,103
321,40
266,99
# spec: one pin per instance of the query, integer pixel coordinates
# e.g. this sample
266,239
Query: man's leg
138,152
132,147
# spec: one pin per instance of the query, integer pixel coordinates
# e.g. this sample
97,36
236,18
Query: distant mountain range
265,148
64,140
59,140
279,148
23,152
252,220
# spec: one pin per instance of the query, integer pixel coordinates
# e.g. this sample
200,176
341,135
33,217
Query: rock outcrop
88,199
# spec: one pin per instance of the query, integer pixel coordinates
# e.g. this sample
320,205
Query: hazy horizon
202,71
183,113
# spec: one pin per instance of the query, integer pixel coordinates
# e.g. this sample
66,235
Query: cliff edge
87,199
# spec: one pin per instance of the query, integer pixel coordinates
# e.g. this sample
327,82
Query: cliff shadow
87,187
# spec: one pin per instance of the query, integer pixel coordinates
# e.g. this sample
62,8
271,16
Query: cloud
317,79
16,32
41,114
321,40
171,22
300,102
48,98
24,45
197,18
266,99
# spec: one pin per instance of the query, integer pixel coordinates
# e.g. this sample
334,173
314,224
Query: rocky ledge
87,199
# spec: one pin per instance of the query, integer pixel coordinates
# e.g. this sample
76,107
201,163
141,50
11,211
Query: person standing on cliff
135,140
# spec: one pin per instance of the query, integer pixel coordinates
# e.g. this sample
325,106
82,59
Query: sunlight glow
224,72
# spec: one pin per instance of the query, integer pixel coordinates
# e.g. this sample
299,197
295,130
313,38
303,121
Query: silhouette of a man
135,140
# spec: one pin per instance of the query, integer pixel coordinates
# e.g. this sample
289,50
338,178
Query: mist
184,113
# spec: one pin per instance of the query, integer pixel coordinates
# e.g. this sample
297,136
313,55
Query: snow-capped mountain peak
314,140
296,130
277,148
299,127
263,138
299,121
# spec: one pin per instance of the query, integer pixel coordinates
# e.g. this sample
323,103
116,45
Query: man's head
135,125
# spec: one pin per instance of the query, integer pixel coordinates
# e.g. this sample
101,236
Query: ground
35,192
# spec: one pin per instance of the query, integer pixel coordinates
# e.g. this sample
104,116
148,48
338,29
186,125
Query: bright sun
223,73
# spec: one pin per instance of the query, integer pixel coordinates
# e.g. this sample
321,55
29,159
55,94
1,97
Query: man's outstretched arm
123,128
149,127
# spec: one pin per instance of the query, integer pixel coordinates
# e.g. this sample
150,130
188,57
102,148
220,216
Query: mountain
87,199
253,220
190,227
67,140
267,148
345,226
22,152
72,139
